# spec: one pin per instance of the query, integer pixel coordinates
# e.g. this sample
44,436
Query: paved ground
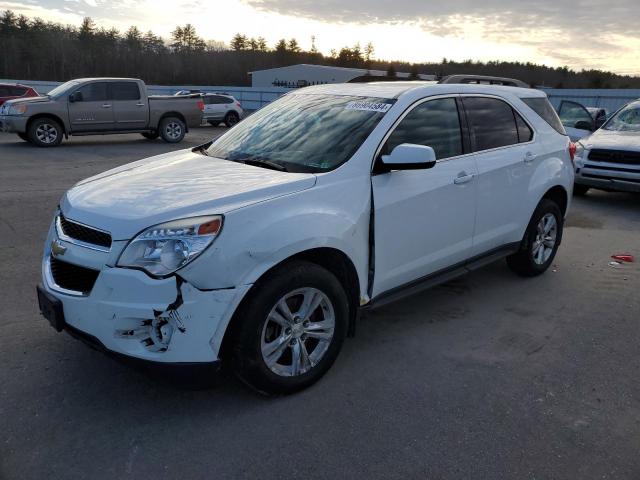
491,376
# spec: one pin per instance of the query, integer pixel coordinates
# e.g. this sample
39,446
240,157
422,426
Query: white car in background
260,248
610,158
220,108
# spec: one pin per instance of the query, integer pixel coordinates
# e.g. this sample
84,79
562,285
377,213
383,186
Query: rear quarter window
543,108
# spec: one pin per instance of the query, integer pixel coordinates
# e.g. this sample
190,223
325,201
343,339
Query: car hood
175,185
27,100
614,140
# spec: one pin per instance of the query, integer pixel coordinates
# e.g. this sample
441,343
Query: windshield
61,89
626,120
303,132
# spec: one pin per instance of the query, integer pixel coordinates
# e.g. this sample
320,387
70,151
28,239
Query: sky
579,34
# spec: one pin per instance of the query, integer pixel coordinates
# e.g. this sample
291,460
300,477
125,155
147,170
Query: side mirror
408,156
584,125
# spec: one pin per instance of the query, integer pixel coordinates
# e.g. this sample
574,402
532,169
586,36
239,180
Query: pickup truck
99,106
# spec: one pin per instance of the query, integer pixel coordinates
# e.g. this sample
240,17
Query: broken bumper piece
166,321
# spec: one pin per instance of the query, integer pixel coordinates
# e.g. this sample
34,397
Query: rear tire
231,119
45,132
172,129
151,135
580,190
281,348
541,241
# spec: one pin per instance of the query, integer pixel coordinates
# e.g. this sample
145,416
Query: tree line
34,49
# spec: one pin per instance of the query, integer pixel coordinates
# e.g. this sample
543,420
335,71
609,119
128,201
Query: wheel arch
173,114
559,195
334,260
51,116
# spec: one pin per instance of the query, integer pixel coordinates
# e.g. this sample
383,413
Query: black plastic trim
442,276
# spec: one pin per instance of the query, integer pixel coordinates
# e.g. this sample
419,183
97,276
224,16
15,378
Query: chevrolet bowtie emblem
57,249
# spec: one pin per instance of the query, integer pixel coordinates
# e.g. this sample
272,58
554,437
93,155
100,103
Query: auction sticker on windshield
368,106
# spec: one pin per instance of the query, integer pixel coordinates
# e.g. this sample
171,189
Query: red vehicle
9,91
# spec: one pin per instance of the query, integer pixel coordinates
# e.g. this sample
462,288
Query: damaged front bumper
127,312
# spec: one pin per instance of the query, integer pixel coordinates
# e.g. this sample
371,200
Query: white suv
260,248
221,108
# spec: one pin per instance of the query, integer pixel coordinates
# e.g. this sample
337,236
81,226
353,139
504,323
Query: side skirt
441,276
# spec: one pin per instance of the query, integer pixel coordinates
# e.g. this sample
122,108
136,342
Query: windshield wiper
259,162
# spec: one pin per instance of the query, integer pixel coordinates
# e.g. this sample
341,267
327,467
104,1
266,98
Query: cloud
592,16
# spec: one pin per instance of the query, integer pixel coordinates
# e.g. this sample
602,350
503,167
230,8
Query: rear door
505,155
130,108
92,110
576,119
214,107
424,218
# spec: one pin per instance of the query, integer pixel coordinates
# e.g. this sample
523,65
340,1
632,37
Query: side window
93,92
525,134
17,91
125,91
435,124
227,100
4,91
492,123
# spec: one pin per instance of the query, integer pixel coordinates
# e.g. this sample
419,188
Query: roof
396,89
357,71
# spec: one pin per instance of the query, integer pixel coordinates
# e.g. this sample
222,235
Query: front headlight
162,249
18,109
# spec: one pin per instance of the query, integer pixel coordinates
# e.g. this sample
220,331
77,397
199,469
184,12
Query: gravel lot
490,376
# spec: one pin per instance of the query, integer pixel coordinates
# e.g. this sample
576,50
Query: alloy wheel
298,332
545,241
46,133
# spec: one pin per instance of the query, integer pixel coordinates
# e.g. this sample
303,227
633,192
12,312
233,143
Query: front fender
256,238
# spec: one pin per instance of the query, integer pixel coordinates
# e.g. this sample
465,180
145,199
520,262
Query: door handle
463,177
139,104
529,157
106,105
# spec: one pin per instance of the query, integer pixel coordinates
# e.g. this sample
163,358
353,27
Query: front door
576,119
424,219
506,156
91,109
130,109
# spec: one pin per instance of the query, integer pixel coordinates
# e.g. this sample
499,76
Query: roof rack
484,79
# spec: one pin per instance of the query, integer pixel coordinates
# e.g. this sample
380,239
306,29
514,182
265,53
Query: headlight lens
18,109
163,249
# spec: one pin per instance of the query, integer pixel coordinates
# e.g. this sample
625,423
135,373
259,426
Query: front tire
172,129
45,132
580,190
541,241
290,329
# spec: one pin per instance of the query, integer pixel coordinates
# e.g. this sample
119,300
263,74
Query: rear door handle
139,104
529,157
106,105
463,177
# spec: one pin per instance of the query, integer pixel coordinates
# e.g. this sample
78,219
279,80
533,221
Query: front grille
615,156
73,277
84,234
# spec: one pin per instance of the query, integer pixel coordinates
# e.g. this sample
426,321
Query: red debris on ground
624,258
